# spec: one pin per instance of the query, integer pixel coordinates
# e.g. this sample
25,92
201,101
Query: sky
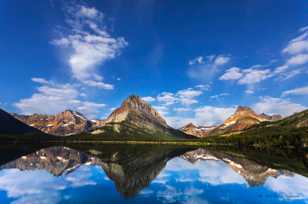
193,62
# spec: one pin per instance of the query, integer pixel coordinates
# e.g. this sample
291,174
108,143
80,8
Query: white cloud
297,50
148,98
197,60
98,84
246,76
181,109
89,12
221,60
209,115
187,96
218,96
89,45
51,98
205,68
167,98
176,121
270,105
233,73
297,91
206,115
203,87
163,110
298,59
297,55
252,76
40,80
298,44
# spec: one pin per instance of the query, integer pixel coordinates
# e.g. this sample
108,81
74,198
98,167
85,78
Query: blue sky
192,61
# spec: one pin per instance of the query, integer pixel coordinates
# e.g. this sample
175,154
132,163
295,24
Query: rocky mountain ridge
65,123
134,117
243,118
137,118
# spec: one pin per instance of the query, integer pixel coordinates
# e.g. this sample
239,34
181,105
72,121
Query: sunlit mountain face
153,174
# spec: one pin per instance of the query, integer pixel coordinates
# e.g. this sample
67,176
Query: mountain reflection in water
149,173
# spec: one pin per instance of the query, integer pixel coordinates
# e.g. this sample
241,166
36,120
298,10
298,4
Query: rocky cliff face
62,124
243,118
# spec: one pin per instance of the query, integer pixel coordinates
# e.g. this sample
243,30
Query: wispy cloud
148,98
249,77
271,105
297,55
297,91
205,68
185,96
219,96
203,115
51,98
246,76
88,44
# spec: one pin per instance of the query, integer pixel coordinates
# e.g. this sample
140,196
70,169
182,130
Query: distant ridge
197,131
243,118
65,123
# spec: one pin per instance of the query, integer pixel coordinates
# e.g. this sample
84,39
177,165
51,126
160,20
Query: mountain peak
72,113
190,125
243,109
242,114
134,105
134,101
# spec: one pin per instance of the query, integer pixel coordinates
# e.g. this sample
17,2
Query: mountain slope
63,124
136,118
288,133
10,125
243,118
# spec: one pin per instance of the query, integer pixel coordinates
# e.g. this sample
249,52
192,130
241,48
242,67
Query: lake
149,174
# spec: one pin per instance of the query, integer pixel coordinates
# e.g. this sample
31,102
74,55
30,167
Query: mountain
243,118
63,124
197,131
11,126
136,118
135,109
287,134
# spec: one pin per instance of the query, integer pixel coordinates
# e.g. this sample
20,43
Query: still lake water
146,174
